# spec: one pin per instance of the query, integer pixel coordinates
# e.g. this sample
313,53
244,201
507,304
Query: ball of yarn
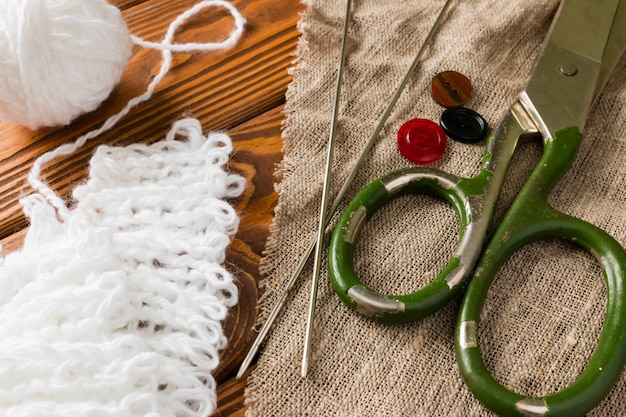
58,58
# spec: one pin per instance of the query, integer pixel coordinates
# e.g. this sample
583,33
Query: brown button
451,89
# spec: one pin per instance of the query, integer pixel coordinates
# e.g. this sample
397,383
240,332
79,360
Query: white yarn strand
166,46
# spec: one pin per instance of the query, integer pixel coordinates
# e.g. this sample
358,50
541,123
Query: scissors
583,45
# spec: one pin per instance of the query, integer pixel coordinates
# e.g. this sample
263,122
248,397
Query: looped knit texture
116,310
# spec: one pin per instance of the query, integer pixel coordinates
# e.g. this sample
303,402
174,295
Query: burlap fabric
544,312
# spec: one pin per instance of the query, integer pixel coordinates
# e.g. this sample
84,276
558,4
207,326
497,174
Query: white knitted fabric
116,310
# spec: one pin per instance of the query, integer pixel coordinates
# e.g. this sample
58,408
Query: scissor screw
568,69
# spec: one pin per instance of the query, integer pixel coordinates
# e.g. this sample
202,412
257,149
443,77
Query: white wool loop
166,46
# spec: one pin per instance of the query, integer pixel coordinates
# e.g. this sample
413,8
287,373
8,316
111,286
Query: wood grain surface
240,91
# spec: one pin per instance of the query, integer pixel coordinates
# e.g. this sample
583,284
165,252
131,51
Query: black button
464,125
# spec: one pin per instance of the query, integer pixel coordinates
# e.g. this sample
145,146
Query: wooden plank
258,147
125,4
230,397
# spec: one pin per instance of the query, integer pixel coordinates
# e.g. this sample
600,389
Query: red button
421,141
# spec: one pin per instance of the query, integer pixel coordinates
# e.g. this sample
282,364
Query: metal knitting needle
344,189
323,218
324,203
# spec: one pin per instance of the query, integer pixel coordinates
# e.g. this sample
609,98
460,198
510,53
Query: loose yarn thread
166,46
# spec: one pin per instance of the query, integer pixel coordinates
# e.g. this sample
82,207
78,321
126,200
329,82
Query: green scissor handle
474,201
426,301
530,218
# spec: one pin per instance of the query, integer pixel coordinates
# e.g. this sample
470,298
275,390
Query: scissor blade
584,26
563,84
615,47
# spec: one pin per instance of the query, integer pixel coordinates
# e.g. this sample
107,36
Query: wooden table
241,91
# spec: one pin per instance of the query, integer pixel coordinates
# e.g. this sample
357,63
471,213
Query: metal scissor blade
563,84
584,26
615,47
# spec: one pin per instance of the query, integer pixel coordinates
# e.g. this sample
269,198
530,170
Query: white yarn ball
58,58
